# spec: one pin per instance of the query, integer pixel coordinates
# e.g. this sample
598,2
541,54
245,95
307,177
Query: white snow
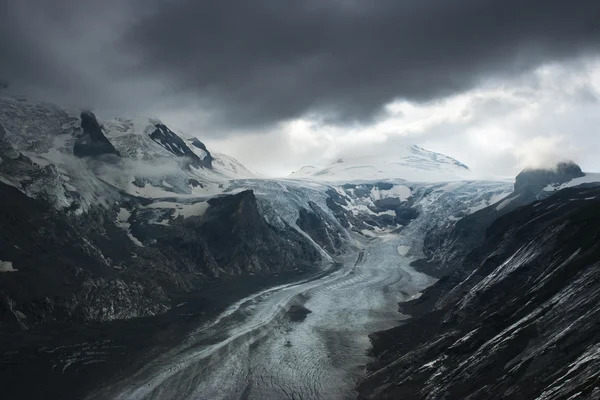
123,223
119,127
197,151
505,202
493,200
230,168
415,296
304,172
401,192
403,250
151,192
590,177
368,233
411,163
185,210
480,206
465,338
433,363
7,266
592,354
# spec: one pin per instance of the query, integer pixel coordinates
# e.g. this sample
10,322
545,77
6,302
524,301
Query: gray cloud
250,64
264,61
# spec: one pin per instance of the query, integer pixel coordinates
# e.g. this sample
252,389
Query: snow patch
185,210
400,192
7,266
403,250
587,178
415,296
505,202
123,223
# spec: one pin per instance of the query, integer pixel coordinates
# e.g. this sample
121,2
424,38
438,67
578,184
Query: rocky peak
535,180
92,142
176,145
207,161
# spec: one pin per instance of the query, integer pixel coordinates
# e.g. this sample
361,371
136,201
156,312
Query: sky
278,84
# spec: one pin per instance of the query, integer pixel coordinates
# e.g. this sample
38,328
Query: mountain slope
446,246
517,319
411,163
141,208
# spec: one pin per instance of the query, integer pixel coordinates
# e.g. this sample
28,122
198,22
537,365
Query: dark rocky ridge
533,181
86,269
208,159
445,247
517,319
314,224
177,146
92,142
91,272
82,285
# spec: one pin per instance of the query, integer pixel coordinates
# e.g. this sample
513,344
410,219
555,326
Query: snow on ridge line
589,177
410,163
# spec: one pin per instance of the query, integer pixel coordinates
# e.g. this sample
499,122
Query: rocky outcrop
84,268
92,142
208,158
240,241
177,146
313,222
445,247
60,273
517,319
530,182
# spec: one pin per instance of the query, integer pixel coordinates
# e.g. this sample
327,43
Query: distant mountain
411,163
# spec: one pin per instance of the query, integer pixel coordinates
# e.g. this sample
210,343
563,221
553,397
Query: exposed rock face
95,237
240,239
447,246
92,142
516,320
312,222
533,181
60,273
173,143
84,268
208,158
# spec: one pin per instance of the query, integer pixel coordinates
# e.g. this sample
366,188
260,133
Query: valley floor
302,340
68,361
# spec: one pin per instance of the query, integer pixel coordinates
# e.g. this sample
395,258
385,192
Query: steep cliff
517,319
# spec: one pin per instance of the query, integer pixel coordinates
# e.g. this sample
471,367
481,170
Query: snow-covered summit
411,163
84,158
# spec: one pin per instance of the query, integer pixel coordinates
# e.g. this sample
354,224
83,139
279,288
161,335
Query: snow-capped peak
85,160
408,162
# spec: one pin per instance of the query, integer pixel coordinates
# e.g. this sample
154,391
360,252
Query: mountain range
119,237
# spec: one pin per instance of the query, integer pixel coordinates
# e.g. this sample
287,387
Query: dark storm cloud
252,63
61,49
263,61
